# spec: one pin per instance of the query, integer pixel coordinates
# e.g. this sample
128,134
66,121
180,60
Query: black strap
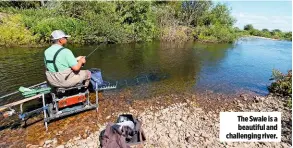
54,59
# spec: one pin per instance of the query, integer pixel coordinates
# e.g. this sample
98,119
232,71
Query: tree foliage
275,34
192,12
124,21
282,83
248,27
21,4
14,31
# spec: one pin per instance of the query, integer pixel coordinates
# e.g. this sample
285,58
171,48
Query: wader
66,78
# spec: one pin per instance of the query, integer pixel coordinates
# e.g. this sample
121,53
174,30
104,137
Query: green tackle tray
34,92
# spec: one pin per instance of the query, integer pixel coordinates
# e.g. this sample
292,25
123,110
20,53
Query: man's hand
79,57
82,59
79,64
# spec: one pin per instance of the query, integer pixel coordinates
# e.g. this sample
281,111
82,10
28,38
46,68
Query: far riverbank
260,37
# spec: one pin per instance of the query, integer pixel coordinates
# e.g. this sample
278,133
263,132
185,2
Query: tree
248,27
22,4
276,33
192,11
265,30
237,29
255,32
137,18
288,36
220,14
276,30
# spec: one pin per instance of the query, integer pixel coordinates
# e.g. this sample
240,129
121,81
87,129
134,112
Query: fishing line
89,55
91,52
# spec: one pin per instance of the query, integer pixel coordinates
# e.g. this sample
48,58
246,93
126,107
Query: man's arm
79,64
72,62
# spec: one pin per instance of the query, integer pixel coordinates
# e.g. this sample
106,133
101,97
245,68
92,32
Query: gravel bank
187,125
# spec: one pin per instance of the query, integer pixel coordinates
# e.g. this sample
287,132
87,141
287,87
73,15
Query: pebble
34,146
54,141
179,123
41,143
76,138
60,146
91,144
48,142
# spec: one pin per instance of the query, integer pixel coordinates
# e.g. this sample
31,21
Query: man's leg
85,75
75,78
87,81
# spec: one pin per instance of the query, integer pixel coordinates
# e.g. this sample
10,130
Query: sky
262,14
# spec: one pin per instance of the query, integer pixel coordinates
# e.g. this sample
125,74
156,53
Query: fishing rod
92,52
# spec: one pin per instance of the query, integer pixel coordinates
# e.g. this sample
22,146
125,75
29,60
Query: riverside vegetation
275,34
282,85
30,23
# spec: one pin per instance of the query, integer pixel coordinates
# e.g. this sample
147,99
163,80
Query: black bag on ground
132,137
138,136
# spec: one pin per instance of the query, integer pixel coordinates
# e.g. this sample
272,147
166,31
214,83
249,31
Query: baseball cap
58,34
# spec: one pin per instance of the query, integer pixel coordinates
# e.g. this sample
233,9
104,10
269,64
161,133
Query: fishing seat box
72,100
71,96
69,90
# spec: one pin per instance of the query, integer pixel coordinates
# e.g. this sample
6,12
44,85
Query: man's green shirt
64,60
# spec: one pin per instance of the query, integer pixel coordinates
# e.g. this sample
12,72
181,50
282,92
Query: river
245,66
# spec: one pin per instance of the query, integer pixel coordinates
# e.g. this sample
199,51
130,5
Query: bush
289,103
176,34
275,34
14,33
215,33
104,29
138,20
119,21
44,27
282,83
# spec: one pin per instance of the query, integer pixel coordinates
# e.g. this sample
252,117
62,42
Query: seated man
63,69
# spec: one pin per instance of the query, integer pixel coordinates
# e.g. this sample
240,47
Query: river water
245,65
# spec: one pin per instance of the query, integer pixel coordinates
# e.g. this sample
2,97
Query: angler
67,88
62,68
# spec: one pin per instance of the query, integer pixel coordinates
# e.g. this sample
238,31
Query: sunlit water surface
161,68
